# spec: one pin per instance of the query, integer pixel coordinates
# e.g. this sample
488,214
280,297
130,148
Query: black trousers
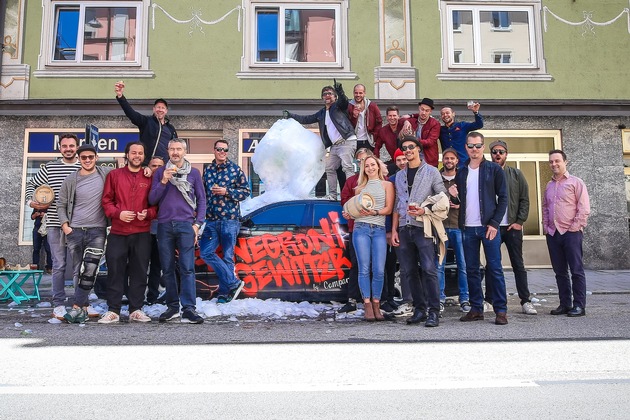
127,255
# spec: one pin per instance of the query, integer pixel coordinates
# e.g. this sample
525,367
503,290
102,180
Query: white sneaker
404,310
92,313
109,318
139,316
487,307
59,312
528,309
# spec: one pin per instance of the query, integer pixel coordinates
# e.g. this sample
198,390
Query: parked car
291,250
295,250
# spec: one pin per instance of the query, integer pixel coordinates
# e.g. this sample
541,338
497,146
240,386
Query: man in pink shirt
566,207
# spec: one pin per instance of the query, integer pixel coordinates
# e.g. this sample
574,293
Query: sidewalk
541,282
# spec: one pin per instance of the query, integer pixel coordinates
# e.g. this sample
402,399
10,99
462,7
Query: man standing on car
481,192
226,186
155,130
337,133
126,203
512,224
178,192
365,117
413,185
566,207
426,129
53,174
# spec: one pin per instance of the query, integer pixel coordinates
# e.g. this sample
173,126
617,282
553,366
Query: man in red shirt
388,136
126,203
426,129
365,118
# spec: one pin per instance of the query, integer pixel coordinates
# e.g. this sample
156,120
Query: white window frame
536,70
47,66
253,69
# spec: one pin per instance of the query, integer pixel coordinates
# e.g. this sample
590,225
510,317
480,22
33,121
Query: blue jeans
455,241
77,242
178,236
565,252
370,245
415,249
224,233
473,237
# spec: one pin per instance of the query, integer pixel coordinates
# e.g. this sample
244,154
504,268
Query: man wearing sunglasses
337,132
226,186
512,223
481,191
84,225
413,185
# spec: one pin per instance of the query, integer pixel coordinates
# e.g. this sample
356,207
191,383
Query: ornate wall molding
587,23
196,22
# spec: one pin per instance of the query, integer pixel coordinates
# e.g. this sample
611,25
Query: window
92,38
285,39
492,42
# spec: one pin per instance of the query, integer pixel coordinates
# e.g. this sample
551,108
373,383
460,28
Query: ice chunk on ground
43,305
290,161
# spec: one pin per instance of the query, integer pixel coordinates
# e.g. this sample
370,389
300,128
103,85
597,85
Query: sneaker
465,307
441,309
138,316
350,306
387,307
169,314
487,307
76,315
92,313
222,299
233,294
109,317
191,317
528,309
59,312
404,309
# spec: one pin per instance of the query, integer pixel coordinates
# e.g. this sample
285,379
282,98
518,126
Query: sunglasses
87,157
410,147
474,145
221,149
327,94
498,152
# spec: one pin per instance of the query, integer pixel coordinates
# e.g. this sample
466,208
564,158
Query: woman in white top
369,238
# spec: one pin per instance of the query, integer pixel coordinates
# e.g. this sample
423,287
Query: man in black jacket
155,130
337,132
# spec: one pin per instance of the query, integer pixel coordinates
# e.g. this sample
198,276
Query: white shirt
333,133
361,129
473,212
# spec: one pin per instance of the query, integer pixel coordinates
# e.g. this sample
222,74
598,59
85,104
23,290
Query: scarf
180,181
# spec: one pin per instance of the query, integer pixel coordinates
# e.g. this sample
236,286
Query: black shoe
191,317
350,306
560,310
169,314
417,317
433,320
576,311
387,307
233,294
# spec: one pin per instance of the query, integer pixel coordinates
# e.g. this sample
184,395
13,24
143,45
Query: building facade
548,74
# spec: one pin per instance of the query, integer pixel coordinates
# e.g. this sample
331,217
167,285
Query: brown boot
376,306
369,311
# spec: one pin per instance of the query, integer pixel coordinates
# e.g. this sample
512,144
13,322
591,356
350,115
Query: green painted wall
204,65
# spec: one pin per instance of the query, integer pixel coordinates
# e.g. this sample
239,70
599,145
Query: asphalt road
537,366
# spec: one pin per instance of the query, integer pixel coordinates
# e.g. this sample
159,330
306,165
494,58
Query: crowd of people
157,207
420,211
